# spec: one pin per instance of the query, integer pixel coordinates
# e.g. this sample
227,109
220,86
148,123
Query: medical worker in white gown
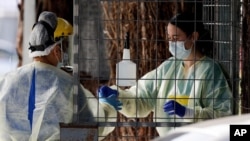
188,87
36,97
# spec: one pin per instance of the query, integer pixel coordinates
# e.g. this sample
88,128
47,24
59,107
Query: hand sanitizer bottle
126,69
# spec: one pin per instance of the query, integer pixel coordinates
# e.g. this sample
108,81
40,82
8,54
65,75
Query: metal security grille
223,18
100,27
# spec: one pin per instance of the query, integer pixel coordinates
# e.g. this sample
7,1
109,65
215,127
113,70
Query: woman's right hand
109,96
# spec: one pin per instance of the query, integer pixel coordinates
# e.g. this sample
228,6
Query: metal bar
138,124
75,59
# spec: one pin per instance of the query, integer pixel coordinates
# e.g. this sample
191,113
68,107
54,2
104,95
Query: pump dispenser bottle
126,69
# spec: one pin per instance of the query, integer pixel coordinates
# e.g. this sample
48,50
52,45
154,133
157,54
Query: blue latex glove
105,91
172,107
109,96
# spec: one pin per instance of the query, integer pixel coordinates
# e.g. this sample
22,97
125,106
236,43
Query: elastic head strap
51,41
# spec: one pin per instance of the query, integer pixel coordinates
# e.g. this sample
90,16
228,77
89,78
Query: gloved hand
105,91
110,96
172,107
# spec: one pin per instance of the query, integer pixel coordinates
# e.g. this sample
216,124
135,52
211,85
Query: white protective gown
37,97
202,88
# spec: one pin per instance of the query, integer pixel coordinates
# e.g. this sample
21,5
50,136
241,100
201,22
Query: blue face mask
177,49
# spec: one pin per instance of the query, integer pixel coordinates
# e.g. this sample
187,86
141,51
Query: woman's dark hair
188,23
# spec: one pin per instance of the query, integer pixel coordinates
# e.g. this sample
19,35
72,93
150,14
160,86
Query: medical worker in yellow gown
188,87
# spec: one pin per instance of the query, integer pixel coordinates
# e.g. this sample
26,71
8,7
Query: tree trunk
245,84
20,33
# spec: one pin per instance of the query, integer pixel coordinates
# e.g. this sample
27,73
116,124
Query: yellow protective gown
203,88
35,98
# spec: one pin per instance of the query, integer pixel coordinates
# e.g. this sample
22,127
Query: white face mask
59,65
177,49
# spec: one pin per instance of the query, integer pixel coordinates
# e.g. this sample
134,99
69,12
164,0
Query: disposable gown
37,97
203,88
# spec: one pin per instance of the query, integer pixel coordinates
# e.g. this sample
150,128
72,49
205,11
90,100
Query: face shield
66,51
63,34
